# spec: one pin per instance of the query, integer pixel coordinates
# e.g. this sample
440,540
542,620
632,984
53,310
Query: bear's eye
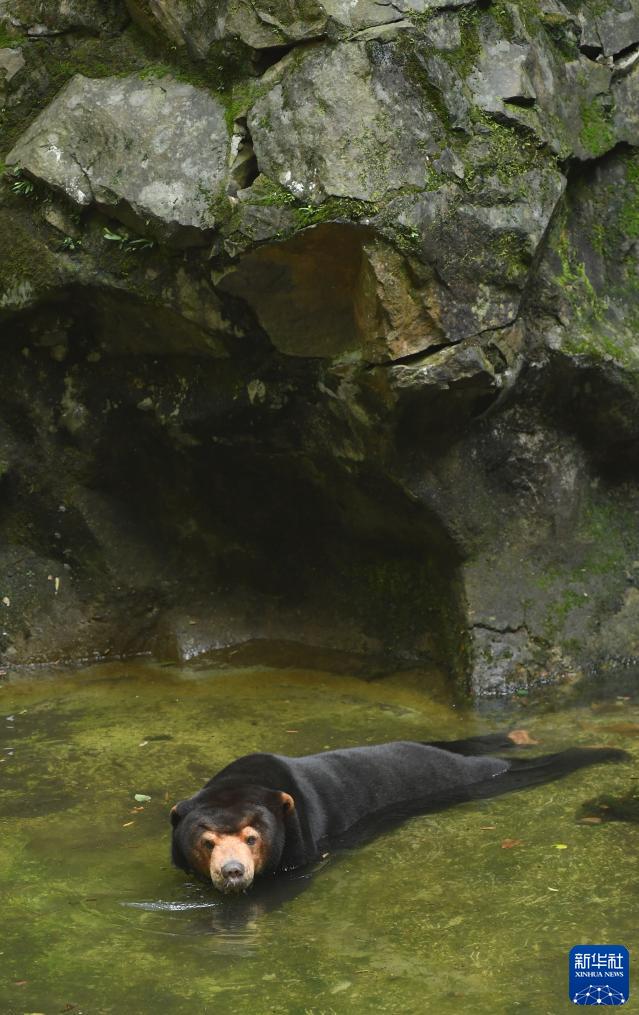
208,844
250,840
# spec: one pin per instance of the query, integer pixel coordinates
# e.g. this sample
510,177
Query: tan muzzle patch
231,861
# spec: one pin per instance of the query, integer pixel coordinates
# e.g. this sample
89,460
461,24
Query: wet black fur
344,797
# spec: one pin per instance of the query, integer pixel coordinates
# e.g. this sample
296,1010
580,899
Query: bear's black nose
233,869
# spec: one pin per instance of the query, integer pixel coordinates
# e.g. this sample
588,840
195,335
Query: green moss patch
597,134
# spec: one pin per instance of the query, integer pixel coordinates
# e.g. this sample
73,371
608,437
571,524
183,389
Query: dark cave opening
182,519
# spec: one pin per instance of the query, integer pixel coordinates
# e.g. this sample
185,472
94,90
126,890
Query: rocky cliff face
321,331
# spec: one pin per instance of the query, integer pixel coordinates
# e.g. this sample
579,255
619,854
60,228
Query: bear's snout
233,870
232,877
232,865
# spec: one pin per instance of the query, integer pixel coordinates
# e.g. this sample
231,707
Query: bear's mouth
232,886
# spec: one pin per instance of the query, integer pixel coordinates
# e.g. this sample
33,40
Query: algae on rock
320,331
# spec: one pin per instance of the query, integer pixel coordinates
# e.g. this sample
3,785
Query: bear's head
230,834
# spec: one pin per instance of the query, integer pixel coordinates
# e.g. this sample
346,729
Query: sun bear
267,813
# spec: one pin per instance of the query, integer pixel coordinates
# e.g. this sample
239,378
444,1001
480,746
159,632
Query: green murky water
433,917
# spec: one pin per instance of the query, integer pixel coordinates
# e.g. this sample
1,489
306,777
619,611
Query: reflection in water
234,924
232,917
169,907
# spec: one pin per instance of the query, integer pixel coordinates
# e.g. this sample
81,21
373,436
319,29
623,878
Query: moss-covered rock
320,329
49,17
97,141
198,25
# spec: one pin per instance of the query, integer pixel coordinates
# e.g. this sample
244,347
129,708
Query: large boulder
330,126
153,153
333,290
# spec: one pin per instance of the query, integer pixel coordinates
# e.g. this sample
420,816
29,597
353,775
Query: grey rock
587,278
619,29
442,31
457,365
51,17
620,635
199,24
482,248
612,29
502,76
455,96
383,33
152,153
554,8
253,224
450,164
330,126
12,63
530,84
504,659
626,108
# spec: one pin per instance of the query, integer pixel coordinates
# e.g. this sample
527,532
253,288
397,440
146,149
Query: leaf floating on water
141,798
522,738
511,843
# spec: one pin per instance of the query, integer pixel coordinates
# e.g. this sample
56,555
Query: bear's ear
288,804
177,813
